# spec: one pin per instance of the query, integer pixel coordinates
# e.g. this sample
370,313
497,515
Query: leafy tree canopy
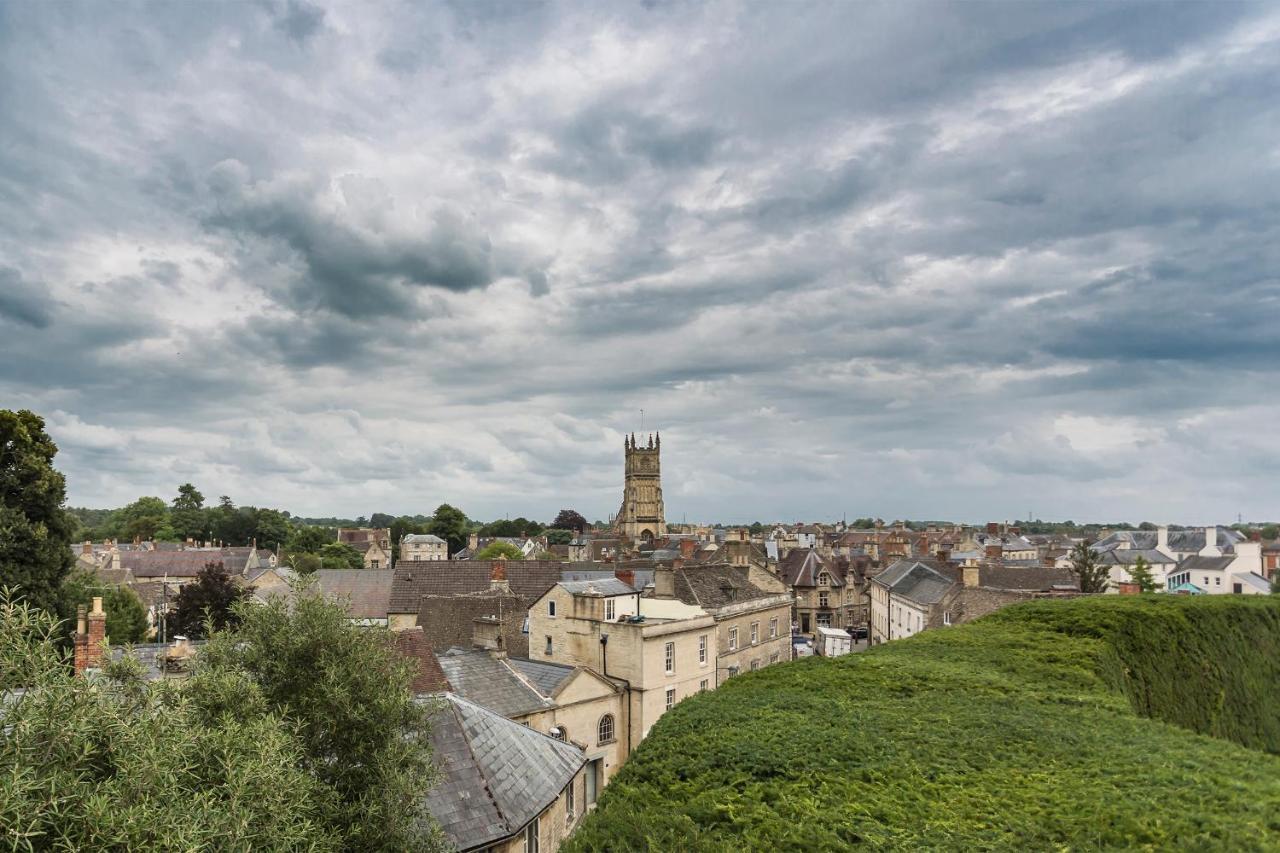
309,540
35,532
499,551
1088,570
347,693
559,537
450,524
340,555
511,527
570,519
1140,573
209,597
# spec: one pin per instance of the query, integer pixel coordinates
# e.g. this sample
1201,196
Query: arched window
604,731
560,733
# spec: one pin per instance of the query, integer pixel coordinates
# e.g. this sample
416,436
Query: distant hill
1031,729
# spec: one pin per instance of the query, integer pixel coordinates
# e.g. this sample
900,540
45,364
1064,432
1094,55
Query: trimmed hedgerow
1030,729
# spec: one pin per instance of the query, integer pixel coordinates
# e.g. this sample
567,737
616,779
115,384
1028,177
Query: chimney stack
944,555
994,552
627,576
664,582
1210,548
993,528
498,577
687,547
91,634
972,576
486,633
473,541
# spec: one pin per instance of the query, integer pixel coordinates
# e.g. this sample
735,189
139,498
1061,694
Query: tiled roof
712,586
922,581
488,681
495,775
1026,578
449,620
430,678
643,577
182,564
529,579
1129,556
368,590
427,538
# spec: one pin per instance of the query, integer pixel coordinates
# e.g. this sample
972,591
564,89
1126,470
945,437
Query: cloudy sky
937,261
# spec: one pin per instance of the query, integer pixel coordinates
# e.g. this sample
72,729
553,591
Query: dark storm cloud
887,258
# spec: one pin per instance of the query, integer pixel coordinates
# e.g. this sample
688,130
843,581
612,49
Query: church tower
642,516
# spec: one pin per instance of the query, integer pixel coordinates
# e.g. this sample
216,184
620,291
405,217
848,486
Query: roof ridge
475,759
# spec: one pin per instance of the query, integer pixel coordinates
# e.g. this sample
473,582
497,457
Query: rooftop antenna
642,420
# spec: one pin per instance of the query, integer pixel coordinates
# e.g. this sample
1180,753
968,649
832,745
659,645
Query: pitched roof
429,678
1206,564
802,566
367,590
1026,578
449,620
488,681
1129,556
495,775
529,579
922,581
643,577
716,585
428,538
182,564
603,586
545,677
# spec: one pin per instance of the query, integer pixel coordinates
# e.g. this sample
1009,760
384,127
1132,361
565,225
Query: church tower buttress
642,516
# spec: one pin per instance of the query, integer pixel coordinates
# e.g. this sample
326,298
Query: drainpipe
604,665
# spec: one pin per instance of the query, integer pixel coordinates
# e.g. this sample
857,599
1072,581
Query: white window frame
610,609
773,628
733,639
603,736
946,617
568,804
669,658
704,685
702,650
671,698
755,633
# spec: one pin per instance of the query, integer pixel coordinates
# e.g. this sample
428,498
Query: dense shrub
1016,732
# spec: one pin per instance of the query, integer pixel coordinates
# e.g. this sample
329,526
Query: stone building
753,620
830,592
374,543
422,548
641,518
528,579
663,649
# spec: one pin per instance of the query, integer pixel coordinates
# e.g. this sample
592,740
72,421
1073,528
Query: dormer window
824,579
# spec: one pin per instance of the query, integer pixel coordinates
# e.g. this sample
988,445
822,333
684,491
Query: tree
569,519
210,597
381,520
1088,569
305,564
309,540
132,767
35,531
511,527
450,524
142,518
403,526
340,555
347,693
187,515
1140,574
499,551
270,528
1270,531
559,537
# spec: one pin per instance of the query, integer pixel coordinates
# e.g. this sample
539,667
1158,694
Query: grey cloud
22,301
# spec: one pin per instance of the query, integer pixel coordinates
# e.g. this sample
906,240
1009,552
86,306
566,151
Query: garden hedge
1147,722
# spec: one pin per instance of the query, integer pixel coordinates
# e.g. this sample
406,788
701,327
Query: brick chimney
1128,588
994,552
486,633
688,547
627,576
993,528
944,555
498,577
91,633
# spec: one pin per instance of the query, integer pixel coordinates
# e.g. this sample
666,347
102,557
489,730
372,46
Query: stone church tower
642,517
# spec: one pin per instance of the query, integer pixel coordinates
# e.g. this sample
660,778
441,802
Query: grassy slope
1018,731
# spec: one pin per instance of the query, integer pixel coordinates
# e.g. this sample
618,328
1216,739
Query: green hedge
1025,730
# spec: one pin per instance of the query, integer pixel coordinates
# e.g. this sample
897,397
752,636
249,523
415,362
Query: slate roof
1026,578
368,590
418,538
449,620
714,586
1183,541
488,681
1129,556
1206,564
495,775
922,581
545,677
529,579
801,568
